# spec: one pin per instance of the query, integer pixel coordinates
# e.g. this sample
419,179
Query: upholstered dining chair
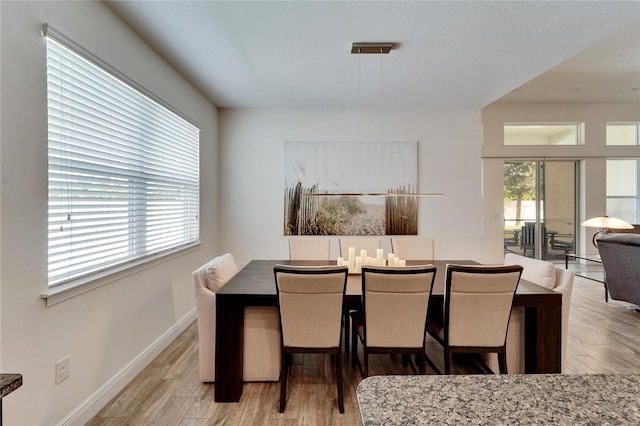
309,248
477,308
544,274
370,244
311,301
394,314
412,248
261,353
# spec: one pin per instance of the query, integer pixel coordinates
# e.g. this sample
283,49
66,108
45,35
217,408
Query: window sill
66,291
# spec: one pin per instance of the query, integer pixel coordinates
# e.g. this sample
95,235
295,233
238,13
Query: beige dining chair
370,244
478,302
310,301
261,337
544,274
413,248
394,314
309,248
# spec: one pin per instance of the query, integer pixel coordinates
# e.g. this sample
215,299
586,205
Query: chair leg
447,361
365,355
347,326
502,362
354,347
283,382
339,382
422,365
405,360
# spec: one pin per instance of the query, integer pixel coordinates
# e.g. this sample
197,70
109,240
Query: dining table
254,285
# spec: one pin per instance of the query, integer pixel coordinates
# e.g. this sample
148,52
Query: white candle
392,258
352,253
340,261
363,254
402,263
352,259
358,268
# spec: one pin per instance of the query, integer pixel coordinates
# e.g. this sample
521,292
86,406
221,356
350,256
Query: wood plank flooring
603,338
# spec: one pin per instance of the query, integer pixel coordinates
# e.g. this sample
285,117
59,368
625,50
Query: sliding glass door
540,208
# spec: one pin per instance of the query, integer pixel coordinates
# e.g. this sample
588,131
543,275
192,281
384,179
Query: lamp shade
606,222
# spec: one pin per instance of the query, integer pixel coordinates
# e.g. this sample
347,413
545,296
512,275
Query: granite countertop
9,383
500,400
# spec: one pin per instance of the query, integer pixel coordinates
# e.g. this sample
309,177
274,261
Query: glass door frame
540,213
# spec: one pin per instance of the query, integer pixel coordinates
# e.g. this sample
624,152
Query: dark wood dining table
254,285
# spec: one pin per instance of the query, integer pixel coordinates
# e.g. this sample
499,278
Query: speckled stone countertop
9,383
558,399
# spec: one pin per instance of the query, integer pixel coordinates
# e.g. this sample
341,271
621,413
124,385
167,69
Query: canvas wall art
328,187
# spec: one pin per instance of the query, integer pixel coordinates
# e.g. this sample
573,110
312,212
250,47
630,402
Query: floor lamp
604,224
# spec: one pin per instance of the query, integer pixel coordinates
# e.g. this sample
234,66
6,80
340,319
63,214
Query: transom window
544,134
623,133
123,169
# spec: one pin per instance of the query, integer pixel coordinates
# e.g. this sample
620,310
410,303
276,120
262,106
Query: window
623,134
545,134
123,169
623,197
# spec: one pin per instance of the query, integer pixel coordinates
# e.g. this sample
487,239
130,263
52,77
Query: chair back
309,248
413,248
620,254
395,301
370,244
478,302
216,273
564,285
310,301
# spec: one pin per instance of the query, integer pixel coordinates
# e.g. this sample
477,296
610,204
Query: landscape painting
350,188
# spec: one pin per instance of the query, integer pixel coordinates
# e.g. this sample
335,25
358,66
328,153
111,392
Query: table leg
229,350
543,339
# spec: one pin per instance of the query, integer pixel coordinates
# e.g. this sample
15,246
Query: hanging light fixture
375,48
380,48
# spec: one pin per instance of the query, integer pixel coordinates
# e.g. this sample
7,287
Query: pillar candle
352,253
352,259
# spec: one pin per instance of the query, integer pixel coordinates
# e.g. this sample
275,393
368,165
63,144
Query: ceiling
449,54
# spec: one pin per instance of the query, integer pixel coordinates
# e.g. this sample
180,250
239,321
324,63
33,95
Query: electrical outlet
62,369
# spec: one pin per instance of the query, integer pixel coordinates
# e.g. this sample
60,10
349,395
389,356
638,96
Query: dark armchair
620,254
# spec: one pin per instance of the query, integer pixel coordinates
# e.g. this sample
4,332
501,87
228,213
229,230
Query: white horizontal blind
123,171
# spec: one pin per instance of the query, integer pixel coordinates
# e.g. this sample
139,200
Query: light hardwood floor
603,338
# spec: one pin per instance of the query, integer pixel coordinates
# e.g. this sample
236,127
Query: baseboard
92,405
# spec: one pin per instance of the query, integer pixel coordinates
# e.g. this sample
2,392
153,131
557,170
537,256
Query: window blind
123,171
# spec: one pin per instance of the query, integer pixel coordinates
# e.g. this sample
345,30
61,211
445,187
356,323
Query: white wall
592,156
103,330
252,176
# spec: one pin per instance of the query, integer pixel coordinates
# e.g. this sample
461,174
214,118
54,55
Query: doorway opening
540,208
